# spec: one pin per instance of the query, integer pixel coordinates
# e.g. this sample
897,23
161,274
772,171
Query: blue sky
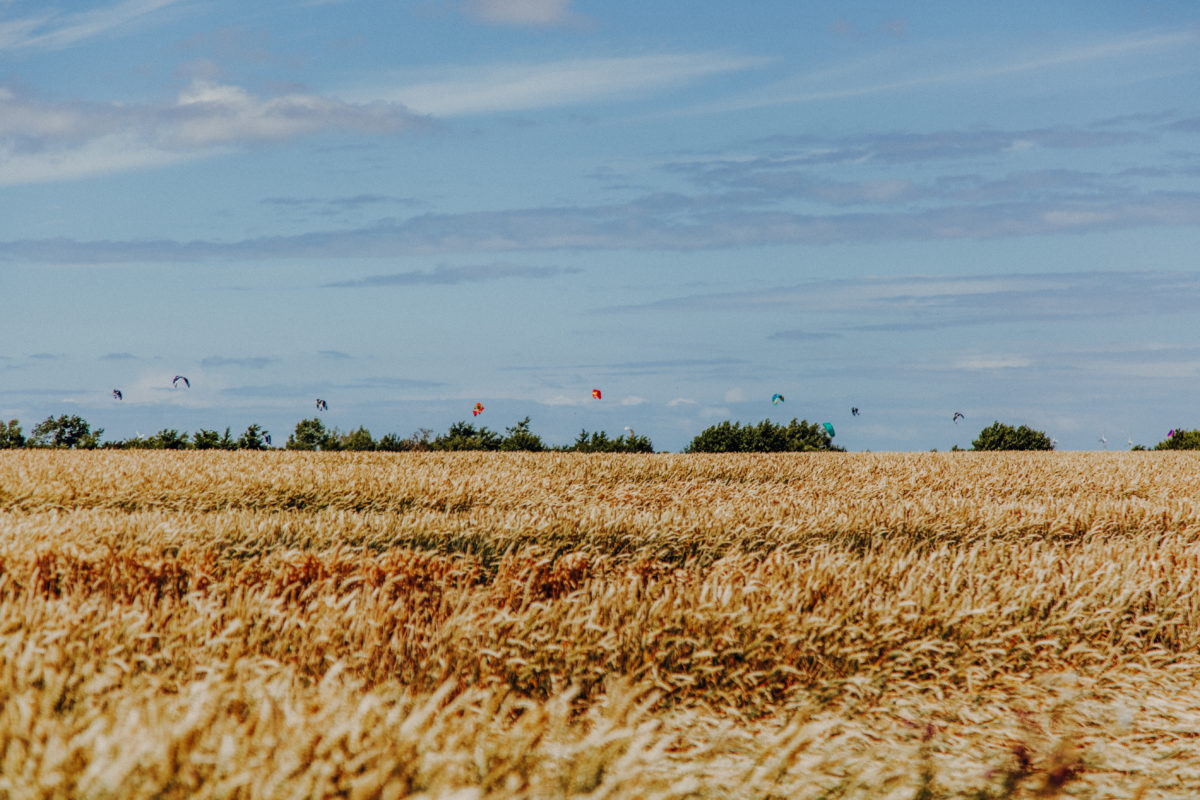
407,207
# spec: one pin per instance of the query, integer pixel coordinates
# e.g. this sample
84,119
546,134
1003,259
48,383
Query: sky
408,207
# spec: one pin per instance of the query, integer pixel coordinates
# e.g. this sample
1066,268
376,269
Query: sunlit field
485,625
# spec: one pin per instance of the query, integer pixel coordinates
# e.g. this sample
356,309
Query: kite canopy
828,428
854,411
776,399
958,415
322,405
596,393
475,412
1170,433
179,378
117,395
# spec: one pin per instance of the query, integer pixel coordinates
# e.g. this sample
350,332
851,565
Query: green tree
1180,440
521,438
598,442
765,437
464,436
227,441
310,434
11,435
206,440
168,439
254,438
72,431
357,440
999,436
417,441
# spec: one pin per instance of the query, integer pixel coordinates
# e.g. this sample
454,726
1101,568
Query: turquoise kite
776,399
828,428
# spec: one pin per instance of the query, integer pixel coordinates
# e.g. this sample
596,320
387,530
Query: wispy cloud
443,275
45,141
52,30
524,13
636,226
880,74
931,303
254,362
491,88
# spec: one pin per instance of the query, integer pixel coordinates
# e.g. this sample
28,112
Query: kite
828,428
475,412
178,378
117,395
854,411
1170,433
322,405
596,393
776,399
958,415
268,438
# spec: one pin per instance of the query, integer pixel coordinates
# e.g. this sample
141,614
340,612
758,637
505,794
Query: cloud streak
54,30
933,303
522,13
449,276
829,85
44,141
501,88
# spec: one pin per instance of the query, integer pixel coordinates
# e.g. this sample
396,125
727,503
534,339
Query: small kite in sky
267,438
178,378
596,393
828,428
117,395
958,415
776,399
475,412
854,411
322,405
1170,433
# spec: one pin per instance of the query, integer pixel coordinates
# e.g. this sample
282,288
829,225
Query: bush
417,441
357,440
765,437
999,436
600,443
310,434
1180,440
521,438
206,440
255,438
464,436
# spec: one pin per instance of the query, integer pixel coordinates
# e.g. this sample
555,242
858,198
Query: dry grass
558,625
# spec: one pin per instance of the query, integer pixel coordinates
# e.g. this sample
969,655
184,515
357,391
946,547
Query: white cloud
884,72
494,88
53,30
521,12
993,362
41,141
681,401
563,400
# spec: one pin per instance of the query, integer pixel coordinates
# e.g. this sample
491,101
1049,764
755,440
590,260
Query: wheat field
483,625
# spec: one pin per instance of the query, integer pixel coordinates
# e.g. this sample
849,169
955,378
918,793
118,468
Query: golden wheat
560,625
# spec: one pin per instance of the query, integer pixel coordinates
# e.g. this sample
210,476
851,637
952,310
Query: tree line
311,434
